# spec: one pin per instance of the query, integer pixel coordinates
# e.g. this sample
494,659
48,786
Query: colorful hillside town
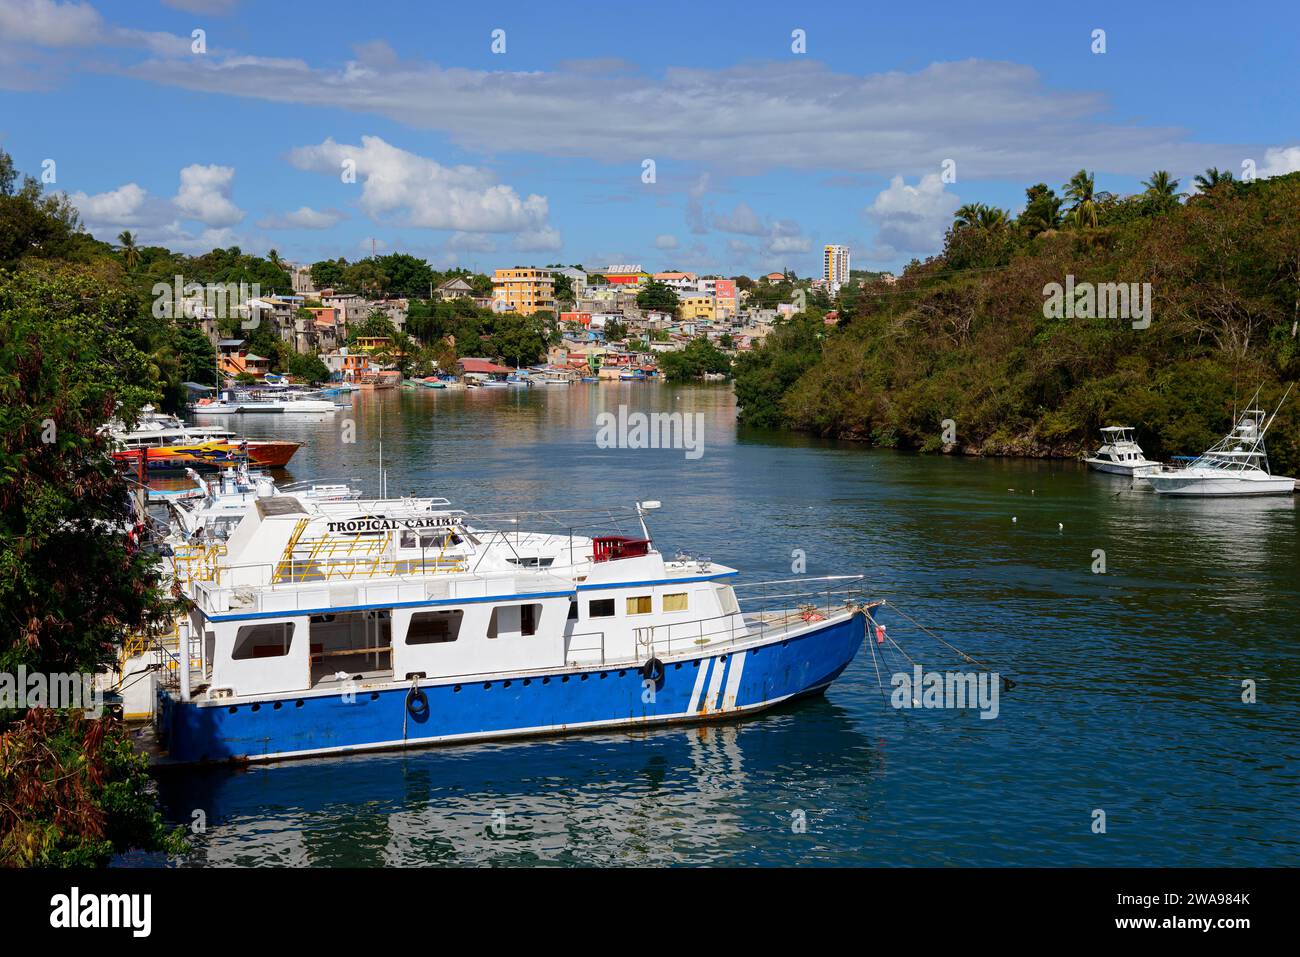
393,320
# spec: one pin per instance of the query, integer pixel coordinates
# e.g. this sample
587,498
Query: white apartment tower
835,264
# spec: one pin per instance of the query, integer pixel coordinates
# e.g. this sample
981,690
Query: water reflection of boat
666,796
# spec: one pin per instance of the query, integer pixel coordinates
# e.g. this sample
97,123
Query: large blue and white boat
332,627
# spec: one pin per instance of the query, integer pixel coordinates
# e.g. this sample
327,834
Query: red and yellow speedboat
168,443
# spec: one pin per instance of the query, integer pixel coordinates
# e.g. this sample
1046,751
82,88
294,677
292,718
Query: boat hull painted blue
692,689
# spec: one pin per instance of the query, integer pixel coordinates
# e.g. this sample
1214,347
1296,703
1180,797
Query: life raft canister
417,703
653,670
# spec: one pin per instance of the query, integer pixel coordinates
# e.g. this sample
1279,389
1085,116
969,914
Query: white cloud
50,24
407,189
216,7
996,118
545,239
205,195
1278,161
117,207
472,243
741,220
202,201
665,241
911,219
304,217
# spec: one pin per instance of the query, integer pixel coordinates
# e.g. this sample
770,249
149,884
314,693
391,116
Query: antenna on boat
1276,411
641,509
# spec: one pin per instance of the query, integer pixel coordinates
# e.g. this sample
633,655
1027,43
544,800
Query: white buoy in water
1013,520
1060,526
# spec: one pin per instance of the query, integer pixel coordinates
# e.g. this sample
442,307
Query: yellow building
524,290
697,305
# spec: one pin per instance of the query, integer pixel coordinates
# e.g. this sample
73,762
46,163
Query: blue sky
466,156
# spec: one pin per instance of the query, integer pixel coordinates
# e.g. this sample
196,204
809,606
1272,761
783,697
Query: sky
713,137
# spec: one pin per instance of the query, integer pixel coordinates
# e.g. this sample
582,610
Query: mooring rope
1006,681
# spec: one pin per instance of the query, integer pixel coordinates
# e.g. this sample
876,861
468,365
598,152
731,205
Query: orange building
523,289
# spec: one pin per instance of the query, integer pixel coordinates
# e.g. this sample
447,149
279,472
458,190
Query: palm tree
968,215
1162,185
130,251
1082,190
1212,179
992,219
274,258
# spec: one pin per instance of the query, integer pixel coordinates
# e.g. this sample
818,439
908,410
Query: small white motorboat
1120,453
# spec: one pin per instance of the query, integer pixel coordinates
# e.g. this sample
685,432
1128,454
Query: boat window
675,602
434,627
600,608
573,611
263,641
727,599
639,605
408,540
514,620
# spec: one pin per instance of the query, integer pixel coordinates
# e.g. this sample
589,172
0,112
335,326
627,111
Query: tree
328,273
1081,190
1042,210
1213,179
130,252
71,791
658,297
698,357
1162,191
968,214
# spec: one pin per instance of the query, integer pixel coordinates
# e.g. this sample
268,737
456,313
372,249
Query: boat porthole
623,671
374,696
298,703
233,709
546,680
677,667
486,685
505,684
585,677
527,682
257,706
277,706
455,689
722,658
603,676
565,678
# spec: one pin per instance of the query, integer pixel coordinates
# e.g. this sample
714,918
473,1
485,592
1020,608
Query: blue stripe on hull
470,710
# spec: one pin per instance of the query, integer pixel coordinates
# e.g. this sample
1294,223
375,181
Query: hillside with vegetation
965,335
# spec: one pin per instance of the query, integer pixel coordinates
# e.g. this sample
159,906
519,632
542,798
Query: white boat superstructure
1120,453
1236,465
221,502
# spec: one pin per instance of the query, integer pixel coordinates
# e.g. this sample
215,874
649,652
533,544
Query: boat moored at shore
358,626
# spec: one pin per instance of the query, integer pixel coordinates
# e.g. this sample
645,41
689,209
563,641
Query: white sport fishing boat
1120,453
1236,465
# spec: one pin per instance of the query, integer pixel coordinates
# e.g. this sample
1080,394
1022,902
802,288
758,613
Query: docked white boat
220,502
1236,465
352,626
1120,453
276,400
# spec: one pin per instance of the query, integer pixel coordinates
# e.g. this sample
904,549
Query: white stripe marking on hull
715,683
701,673
733,681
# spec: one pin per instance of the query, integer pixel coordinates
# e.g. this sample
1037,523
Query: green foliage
699,356
963,335
657,296
73,792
